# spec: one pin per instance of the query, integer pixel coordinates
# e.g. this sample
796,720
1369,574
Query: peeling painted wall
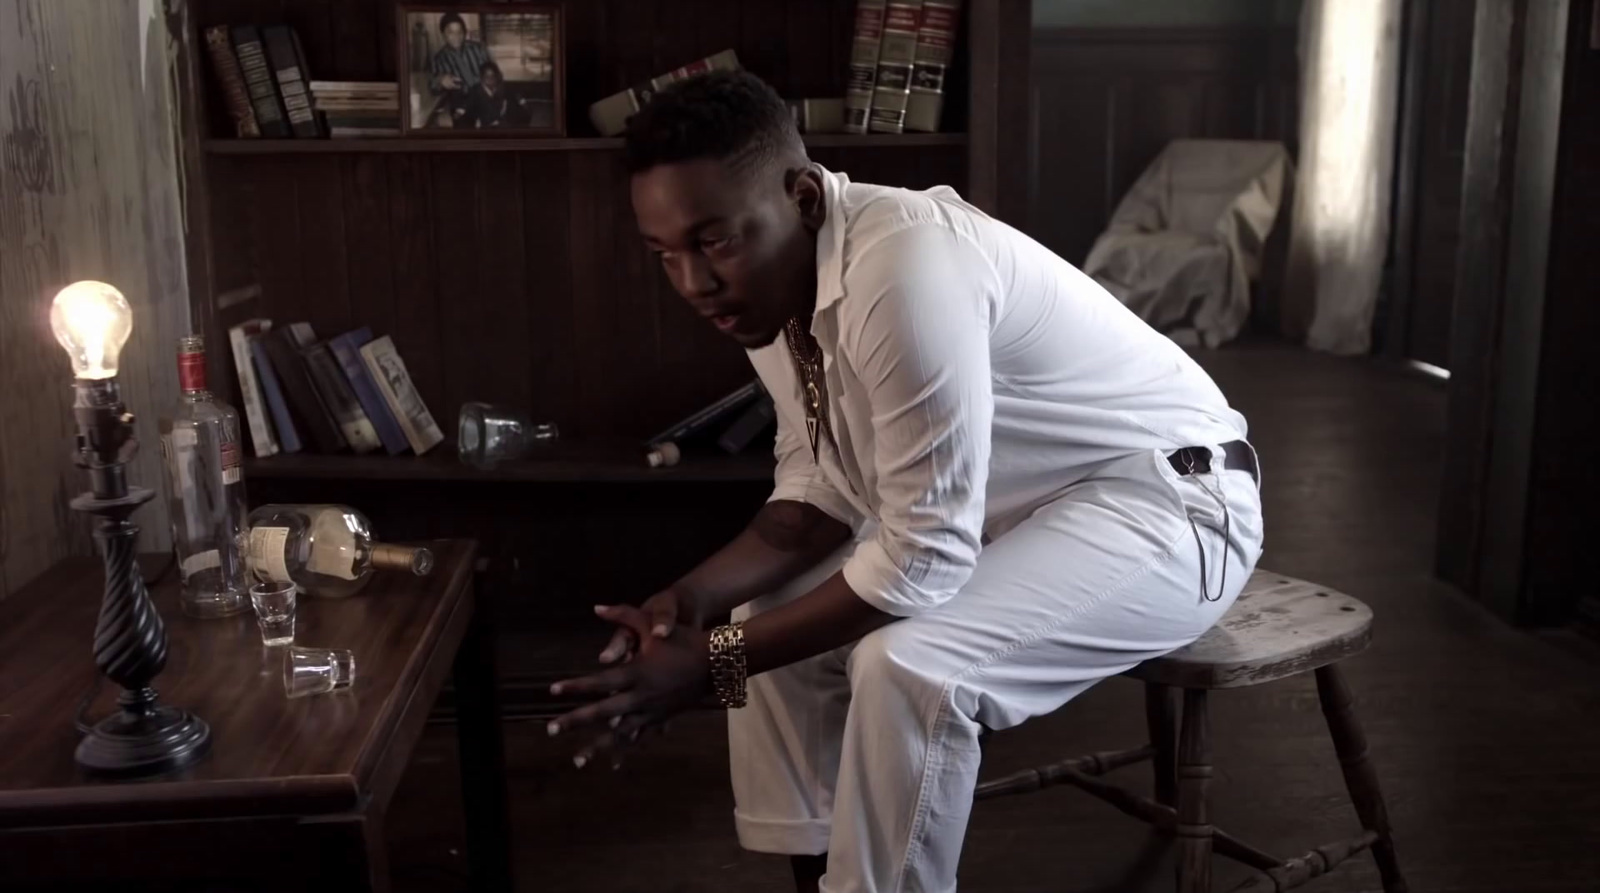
88,190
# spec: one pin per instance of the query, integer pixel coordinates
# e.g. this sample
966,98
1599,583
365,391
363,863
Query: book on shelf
347,350
757,417
891,90
262,439
340,398
936,41
289,70
358,108
219,46
288,435
356,104
345,131
356,88
264,98
394,382
610,115
705,420
818,115
375,108
305,403
864,45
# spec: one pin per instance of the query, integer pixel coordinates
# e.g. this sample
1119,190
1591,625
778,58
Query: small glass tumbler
489,434
274,604
315,671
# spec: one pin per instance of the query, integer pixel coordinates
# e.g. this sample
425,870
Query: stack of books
358,108
348,393
898,58
263,72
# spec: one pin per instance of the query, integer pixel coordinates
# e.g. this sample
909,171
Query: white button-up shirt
972,376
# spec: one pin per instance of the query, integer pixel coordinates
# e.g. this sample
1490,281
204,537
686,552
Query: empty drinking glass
488,434
314,671
274,604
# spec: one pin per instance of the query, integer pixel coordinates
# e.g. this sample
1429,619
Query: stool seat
1278,627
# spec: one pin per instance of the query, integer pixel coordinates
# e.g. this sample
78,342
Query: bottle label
267,556
192,371
200,561
332,561
333,551
184,464
232,473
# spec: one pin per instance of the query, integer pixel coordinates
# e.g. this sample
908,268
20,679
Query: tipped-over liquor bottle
200,444
325,550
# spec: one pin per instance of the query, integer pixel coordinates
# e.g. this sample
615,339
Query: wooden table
293,793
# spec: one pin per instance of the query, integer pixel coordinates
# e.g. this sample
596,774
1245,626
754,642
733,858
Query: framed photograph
481,70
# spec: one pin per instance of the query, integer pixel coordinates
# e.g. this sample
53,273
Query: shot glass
274,604
315,671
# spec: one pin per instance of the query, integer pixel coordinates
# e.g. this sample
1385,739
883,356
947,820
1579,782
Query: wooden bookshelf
585,144
510,271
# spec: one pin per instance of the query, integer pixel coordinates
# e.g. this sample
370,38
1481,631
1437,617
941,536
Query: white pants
870,752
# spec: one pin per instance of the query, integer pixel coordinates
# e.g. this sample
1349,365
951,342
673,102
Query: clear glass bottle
200,443
487,435
325,550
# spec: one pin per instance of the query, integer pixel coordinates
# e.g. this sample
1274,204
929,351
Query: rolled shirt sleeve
916,326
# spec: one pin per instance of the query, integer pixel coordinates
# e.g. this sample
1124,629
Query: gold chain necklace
813,387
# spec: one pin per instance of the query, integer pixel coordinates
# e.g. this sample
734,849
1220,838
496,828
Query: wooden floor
1486,739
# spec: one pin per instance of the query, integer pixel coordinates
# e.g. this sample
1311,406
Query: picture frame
481,70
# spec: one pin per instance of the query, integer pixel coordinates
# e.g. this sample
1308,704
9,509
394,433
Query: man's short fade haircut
730,116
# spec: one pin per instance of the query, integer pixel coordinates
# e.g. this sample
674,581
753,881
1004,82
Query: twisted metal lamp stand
130,641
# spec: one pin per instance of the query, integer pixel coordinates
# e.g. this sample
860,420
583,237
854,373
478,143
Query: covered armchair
1189,237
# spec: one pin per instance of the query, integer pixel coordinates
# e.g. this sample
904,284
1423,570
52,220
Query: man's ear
809,197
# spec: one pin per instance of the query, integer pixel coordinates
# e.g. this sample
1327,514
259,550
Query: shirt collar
830,240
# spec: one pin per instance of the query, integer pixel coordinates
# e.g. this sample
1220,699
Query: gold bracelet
727,665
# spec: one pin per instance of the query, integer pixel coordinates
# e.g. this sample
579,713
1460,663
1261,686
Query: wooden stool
1279,627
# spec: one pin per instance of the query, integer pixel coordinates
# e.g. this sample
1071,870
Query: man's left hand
666,677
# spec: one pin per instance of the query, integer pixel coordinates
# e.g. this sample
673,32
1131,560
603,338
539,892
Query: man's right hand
666,610
450,82
783,540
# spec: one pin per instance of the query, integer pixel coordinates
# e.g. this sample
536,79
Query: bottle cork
663,455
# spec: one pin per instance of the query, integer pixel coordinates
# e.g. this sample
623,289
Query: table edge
178,800
458,595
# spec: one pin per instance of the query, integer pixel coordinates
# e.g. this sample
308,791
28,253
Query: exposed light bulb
92,320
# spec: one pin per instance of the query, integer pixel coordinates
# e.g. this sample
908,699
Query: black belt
1236,455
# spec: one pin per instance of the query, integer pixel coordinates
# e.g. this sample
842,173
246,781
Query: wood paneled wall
88,190
1519,480
1487,192
1564,481
1105,101
504,277
1441,111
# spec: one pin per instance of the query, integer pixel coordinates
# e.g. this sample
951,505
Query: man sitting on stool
996,486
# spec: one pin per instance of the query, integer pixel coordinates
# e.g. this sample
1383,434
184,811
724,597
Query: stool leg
1359,777
1194,780
1161,716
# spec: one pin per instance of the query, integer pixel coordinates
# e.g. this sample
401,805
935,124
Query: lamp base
129,744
